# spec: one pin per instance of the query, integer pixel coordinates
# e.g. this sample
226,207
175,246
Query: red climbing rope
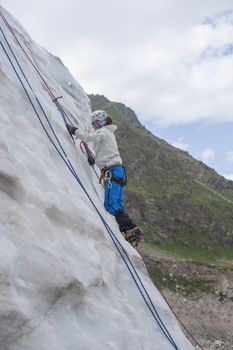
51,94
171,308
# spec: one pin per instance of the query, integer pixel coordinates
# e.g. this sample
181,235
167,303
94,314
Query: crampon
134,236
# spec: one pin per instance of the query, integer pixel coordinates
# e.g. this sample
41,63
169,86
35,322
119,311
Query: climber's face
97,124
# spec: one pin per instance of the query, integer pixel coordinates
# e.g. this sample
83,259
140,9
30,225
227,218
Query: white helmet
98,115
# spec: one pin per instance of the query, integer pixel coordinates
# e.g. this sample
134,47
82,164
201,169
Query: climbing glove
91,160
71,129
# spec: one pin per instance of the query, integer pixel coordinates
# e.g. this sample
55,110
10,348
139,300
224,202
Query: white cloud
228,176
169,61
229,157
207,154
180,144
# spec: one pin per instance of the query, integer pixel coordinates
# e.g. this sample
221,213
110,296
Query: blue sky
170,61
196,138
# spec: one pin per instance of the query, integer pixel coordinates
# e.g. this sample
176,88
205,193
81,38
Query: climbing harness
61,152
106,175
108,178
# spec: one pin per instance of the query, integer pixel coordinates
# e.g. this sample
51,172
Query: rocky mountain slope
200,294
173,196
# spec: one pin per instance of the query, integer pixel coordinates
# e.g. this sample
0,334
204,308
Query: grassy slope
174,197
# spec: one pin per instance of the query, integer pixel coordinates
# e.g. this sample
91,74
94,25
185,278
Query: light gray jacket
104,144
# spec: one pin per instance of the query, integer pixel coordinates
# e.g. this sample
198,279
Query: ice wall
63,285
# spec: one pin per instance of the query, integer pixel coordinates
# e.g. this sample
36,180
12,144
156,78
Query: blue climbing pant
114,191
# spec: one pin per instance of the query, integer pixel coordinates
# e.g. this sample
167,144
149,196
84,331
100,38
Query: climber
113,173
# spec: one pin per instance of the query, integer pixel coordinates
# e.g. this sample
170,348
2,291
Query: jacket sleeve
94,137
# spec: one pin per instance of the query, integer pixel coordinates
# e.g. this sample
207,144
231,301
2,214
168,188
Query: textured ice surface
63,285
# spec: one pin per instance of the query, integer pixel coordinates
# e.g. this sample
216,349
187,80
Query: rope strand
115,240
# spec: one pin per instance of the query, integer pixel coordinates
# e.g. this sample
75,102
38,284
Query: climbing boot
134,236
124,221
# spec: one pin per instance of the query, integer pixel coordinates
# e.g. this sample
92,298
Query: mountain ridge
171,194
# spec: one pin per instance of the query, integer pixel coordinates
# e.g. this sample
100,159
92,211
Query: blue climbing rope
59,148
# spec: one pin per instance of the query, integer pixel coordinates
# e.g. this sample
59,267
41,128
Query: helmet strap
99,123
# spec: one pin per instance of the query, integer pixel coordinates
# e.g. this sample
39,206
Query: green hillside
174,197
